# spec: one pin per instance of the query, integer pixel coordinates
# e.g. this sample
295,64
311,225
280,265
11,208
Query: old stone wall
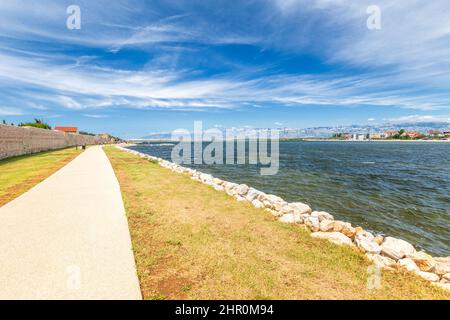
16,141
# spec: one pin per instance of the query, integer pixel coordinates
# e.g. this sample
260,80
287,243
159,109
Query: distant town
400,131
401,134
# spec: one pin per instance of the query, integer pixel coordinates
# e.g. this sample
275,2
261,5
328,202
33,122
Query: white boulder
322,215
442,266
300,208
326,225
338,226
242,189
335,237
424,261
428,276
257,204
348,230
272,198
366,245
313,223
252,194
408,264
396,248
291,218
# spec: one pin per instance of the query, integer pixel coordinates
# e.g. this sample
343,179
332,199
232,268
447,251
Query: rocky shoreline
385,252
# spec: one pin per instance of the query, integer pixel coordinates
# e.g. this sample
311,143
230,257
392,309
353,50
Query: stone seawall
384,252
17,141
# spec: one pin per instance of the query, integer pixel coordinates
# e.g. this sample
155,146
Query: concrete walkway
68,237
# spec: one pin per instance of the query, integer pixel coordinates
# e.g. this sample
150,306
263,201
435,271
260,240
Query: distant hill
327,131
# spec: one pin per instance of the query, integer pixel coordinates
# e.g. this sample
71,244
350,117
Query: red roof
67,129
413,134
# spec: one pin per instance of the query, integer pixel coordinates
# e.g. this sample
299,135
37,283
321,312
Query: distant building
67,129
435,133
347,136
359,137
378,135
413,134
390,133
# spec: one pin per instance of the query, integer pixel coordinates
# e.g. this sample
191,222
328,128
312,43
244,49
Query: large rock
338,226
396,248
242,189
442,266
273,212
278,206
428,276
322,215
348,230
446,277
313,223
408,264
382,262
378,240
206,178
326,225
230,188
257,204
291,218
286,208
272,198
300,208
295,207
360,232
367,245
335,237
261,196
252,194
424,261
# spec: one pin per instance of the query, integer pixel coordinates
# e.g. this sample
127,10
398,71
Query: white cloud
402,65
77,87
96,116
421,118
6,111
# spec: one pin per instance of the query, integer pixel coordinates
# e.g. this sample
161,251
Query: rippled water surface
394,188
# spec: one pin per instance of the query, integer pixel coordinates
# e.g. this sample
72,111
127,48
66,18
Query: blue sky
137,67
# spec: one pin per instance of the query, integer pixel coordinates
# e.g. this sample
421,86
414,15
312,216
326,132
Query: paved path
68,237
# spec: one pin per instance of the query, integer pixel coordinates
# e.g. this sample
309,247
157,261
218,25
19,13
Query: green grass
19,174
192,242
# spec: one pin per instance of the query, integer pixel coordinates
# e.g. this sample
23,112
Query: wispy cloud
6,111
403,65
421,118
96,116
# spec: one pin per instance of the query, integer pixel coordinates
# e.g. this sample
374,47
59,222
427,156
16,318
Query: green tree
37,124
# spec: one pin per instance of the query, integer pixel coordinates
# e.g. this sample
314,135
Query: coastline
381,140
138,142
385,252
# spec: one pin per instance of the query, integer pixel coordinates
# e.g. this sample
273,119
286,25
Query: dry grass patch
19,174
192,242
